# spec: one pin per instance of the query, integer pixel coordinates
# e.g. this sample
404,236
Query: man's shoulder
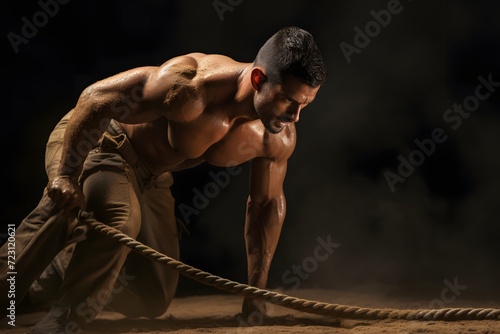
280,146
200,62
197,72
178,88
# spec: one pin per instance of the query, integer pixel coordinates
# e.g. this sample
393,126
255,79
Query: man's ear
257,78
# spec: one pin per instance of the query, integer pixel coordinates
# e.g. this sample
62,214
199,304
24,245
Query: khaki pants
99,272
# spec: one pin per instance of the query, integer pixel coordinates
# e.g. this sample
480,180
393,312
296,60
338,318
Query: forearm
80,135
120,97
262,231
84,129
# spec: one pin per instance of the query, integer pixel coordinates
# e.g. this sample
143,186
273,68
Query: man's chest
218,142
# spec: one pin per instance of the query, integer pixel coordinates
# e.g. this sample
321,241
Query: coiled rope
298,304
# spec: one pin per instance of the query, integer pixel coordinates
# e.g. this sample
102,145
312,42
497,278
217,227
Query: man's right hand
65,192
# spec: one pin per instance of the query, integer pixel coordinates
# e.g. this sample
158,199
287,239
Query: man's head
287,73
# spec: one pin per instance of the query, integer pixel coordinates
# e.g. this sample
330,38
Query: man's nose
294,114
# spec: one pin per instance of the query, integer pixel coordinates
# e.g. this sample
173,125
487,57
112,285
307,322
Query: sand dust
219,313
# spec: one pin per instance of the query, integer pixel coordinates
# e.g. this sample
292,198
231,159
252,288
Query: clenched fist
65,192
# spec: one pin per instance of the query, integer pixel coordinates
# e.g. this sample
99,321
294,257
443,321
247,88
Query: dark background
441,223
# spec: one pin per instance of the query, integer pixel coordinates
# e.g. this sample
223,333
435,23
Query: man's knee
112,202
158,307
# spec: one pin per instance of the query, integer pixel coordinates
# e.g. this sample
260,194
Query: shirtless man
193,108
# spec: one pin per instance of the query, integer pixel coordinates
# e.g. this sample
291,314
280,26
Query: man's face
280,104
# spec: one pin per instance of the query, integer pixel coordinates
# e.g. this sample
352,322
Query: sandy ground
219,313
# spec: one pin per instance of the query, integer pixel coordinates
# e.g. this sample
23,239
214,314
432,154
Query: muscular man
115,151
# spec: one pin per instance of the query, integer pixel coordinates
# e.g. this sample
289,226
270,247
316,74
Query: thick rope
298,304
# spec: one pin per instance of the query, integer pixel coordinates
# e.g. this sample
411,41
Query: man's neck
244,96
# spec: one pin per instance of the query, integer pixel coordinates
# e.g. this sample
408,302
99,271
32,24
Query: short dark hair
292,51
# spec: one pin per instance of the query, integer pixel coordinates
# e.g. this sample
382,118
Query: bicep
145,93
